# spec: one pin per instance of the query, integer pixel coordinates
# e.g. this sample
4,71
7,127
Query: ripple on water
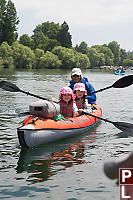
71,169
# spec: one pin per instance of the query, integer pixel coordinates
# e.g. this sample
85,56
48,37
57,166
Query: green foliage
23,56
6,54
130,56
38,54
41,41
45,36
49,60
83,47
52,45
26,41
9,22
67,56
108,55
1,62
2,13
48,29
123,55
127,62
64,36
95,57
84,61
115,48
70,58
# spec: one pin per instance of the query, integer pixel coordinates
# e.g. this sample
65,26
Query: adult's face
76,78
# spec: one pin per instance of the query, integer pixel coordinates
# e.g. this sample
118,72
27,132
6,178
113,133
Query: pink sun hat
81,87
66,90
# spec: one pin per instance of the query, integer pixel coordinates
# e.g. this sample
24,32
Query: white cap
76,71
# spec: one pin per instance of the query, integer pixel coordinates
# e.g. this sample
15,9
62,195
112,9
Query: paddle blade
123,126
5,85
123,82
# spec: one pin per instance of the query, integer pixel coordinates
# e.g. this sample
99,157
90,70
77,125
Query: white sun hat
76,71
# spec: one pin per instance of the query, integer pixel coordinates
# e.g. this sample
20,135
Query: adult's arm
91,98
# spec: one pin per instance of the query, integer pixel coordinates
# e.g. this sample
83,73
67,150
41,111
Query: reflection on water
45,161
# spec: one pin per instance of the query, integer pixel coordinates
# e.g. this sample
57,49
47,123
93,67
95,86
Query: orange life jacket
66,109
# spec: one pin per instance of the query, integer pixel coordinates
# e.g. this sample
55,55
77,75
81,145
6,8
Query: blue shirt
89,88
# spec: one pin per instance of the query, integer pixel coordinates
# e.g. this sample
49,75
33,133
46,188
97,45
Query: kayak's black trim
21,138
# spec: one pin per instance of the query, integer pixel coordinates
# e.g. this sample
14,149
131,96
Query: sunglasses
75,75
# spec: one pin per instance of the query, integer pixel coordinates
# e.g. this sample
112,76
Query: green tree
9,22
48,29
26,40
1,62
40,41
127,62
2,14
108,55
64,36
6,54
83,47
84,61
123,55
38,54
49,60
70,58
94,57
115,48
67,56
23,56
130,55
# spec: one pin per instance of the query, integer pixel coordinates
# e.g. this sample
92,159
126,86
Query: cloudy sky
92,21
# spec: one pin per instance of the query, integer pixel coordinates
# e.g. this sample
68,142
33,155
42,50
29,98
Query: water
71,169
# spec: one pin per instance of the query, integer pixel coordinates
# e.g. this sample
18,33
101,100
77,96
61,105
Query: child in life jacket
81,100
68,107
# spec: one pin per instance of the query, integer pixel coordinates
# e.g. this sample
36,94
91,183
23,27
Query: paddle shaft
120,83
34,95
123,126
106,120
100,90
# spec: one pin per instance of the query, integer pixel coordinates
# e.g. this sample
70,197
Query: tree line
50,46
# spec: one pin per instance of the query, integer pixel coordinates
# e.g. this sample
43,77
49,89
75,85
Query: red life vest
80,103
66,109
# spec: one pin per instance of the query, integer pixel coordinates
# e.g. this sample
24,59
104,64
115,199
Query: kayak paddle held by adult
121,83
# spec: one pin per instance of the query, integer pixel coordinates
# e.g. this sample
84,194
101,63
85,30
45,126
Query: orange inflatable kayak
39,130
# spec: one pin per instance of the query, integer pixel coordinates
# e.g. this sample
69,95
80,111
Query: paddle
123,126
8,86
121,83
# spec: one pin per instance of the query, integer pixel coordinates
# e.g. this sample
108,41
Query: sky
96,22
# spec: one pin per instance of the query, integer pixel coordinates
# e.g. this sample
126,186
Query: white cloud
79,12
85,14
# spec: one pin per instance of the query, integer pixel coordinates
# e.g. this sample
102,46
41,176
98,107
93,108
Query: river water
71,169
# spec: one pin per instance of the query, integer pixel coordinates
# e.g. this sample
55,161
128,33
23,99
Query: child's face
66,97
80,94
